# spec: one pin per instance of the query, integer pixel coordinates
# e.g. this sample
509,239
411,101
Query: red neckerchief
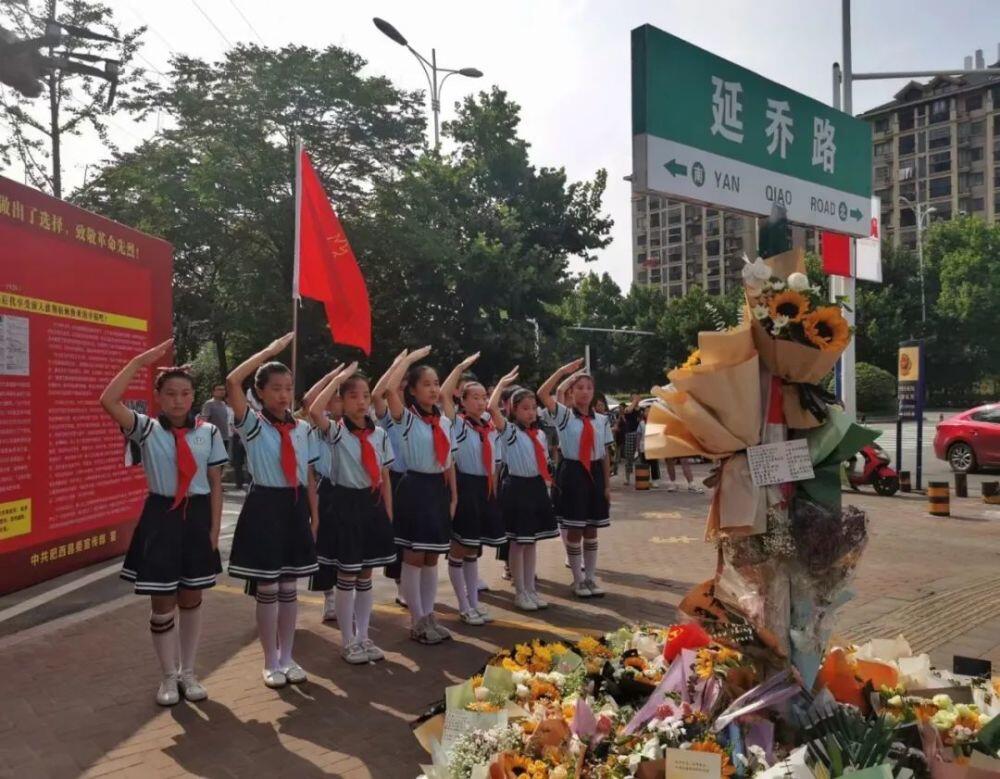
586,451
441,444
369,459
289,461
187,467
541,458
486,448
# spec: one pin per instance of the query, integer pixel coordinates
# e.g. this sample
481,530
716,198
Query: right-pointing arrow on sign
856,213
675,168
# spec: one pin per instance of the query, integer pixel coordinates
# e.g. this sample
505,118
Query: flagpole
296,298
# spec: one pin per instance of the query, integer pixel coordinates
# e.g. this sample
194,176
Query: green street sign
705,129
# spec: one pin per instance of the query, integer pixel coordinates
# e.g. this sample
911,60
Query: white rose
895,701
559,772
944,720
799,282
520,677
482,693
522,691
942,701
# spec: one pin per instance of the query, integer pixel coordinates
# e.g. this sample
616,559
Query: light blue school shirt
395,433
345,448
518,452
263,444
569,427
159,454
468,447
417,443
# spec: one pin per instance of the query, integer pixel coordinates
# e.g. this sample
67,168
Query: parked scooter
875,471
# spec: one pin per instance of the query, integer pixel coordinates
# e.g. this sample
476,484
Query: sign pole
849,395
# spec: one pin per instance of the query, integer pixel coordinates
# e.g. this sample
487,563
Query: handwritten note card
685,764
784,461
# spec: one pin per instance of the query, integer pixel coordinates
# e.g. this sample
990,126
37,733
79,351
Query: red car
970,439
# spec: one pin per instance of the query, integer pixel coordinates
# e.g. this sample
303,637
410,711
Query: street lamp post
923,216
432,75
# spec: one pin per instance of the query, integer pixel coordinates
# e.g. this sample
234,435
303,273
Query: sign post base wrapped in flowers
786,550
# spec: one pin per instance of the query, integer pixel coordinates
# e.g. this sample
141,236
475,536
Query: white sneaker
423,633
472,617
595,590
375,655
692,487
538,601
671,486
168,694
329,609
484,613
274,679
438,628
524,602
191,687
354,654
294,673
581,590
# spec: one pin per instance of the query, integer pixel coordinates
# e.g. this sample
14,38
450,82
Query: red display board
79,296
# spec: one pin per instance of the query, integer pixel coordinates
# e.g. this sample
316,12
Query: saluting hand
464,365
572,367
510,378
153,355
278,345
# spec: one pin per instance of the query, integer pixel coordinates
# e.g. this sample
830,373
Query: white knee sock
590,557
288,612
190,624
428,588
267,623
529,557
364,599
470,567
516,562
409,584
165,641
564,535
345,600
457,576
573,554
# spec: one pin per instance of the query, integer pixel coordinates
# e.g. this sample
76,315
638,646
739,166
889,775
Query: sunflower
827,329
791,304
693,360
704,664
711,745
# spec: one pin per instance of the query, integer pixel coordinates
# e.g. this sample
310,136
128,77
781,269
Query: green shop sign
707,130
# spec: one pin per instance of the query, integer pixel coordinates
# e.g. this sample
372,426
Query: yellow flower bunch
591,647
693,359
477,681
483,706
511,665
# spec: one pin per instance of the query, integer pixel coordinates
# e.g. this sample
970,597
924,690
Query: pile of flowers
794,309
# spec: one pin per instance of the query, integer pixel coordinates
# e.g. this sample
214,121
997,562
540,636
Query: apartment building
678,246
938,144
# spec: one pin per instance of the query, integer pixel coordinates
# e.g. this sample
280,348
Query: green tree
70,104
218,184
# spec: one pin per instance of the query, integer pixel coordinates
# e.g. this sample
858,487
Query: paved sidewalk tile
78,700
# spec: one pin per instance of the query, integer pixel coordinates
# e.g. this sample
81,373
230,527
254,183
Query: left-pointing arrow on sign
675,168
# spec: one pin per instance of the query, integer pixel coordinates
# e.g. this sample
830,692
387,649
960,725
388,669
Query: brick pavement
76,696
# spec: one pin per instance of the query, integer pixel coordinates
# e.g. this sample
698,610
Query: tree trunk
54,120
220,353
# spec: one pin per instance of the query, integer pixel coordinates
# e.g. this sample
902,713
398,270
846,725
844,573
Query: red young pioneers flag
836,248
325,266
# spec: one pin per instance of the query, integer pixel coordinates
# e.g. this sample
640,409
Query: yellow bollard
938,499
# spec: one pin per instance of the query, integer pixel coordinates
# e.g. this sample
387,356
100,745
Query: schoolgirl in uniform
380,412
174,552
477,521
273,544
524,494
323,581
358,535
583,496
425,496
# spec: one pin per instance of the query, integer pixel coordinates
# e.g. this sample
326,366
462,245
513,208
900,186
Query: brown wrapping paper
738,508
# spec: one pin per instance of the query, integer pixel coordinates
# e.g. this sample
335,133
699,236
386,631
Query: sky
567,62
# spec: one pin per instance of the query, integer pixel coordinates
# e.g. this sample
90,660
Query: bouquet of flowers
798,335
712,409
